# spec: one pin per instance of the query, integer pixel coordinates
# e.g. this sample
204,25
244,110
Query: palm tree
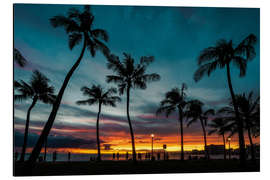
219,126
127,76
194,113
37,89
175,100
18,58
221,56
249,111
97,95
79,27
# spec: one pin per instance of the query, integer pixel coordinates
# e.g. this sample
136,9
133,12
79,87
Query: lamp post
152,136
229,140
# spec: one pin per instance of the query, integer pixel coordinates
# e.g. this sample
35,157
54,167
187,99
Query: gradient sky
173,35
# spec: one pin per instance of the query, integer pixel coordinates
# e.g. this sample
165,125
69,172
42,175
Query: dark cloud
55,141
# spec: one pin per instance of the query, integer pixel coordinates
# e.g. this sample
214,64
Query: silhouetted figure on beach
69,156
158,156
54,156
127,156
139,156
117,156
113,156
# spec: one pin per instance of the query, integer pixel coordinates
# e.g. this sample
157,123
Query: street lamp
229,140
152,136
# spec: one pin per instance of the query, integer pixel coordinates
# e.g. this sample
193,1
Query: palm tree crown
38,87
224,53
174,99
130,75
195,112
98,95
79,25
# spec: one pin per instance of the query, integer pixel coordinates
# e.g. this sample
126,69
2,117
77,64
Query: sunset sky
174,36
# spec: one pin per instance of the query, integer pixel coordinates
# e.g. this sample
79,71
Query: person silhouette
158,156
54,156
69,156
139,156
127,156
117,155
113,156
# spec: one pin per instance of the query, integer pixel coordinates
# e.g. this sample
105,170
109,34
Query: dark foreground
143,167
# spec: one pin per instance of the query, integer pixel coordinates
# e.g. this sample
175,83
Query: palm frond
205,69
100,33
241,63
18,58
246,47
74,39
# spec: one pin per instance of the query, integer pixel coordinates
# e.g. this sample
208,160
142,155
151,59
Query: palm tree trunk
251,145
56,104
130,127
205,142
239,120
27,128
97,126
45,149
224,144
182,133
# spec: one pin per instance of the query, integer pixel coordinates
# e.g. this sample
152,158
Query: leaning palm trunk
182,134
205,142
224,144
26,129
239,121
56,104
45,149
97,126
251,145
130,127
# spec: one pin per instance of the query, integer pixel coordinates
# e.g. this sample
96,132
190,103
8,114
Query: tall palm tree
129,75
195,113
37,89
221,56
79,27
18,58
219,126
175,100
249,112
97,95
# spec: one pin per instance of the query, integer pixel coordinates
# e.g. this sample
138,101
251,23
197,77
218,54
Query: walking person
127,156
69,156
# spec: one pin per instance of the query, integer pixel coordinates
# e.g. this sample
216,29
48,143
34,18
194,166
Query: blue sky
173,35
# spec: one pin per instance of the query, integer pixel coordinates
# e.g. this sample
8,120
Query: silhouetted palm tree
175,100
249,111
97,95
221,56
219,126
79,27
195,113
128,76
18,58
37,89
